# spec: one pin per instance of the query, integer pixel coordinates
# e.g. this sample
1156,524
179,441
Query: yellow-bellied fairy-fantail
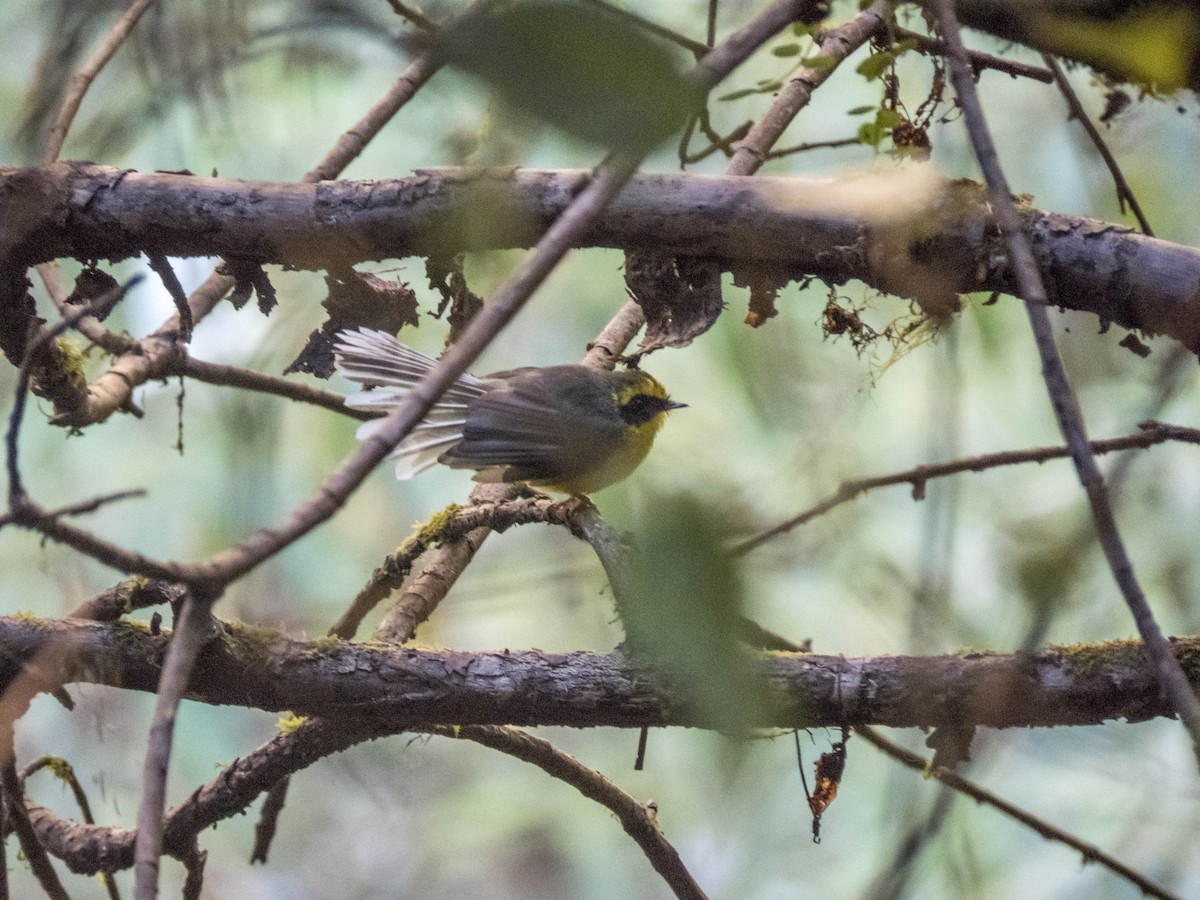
571,429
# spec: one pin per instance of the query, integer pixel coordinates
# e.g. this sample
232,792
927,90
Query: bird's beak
671,404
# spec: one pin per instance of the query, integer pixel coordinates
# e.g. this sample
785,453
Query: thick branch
1078,685
799,225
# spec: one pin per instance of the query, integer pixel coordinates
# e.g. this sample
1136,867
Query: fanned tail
389,370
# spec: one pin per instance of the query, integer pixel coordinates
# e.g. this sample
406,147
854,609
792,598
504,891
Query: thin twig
268,820
126,597
979,60
813,145
610,343
1124,191
112,390
696,47
28,514
82,507
159,265
65,772
104,303
1151,433
189,636
193,883
637,819
836,44
246,379
415,16
1062,397
610,547
723,143
355,139
731,52
1090,852
35,853
88,326
77,89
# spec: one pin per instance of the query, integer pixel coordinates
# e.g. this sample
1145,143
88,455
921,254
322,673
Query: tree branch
979,61
1125,195
801,226
249,380
1062,397
240,666
638,819
31,845
1151,433
461,527
189,638
836,44
91,849
64,772
153,356
1089,852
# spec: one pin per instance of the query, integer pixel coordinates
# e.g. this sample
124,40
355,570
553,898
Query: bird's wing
389,370
421,449
541,424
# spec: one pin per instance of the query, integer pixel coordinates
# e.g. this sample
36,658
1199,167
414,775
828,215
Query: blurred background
777,417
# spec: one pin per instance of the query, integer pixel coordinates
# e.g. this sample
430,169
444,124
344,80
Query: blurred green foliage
684,608
574,65
777,417
1156,44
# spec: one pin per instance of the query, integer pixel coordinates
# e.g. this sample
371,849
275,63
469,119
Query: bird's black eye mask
641,408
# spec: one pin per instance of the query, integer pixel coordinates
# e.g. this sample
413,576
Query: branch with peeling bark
242,666
795,226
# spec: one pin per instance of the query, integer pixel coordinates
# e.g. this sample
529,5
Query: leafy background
777,416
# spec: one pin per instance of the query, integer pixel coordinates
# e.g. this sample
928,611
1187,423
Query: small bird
570,429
